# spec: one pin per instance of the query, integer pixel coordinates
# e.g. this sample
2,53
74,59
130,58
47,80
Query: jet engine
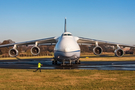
97,50
119,52
35,50
13,52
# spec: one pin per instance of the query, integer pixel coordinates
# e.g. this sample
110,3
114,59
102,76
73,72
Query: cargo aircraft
66,47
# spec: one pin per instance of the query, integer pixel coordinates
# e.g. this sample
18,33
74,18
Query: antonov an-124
66,47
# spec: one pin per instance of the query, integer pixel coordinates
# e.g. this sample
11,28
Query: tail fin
65,29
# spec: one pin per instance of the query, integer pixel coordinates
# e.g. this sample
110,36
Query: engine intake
119,52
35,50
13,52
97,50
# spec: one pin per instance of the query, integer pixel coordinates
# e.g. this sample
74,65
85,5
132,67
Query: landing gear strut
63,63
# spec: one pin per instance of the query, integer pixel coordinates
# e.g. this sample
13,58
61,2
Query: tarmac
88,65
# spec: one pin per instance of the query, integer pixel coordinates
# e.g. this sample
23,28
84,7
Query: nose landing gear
68,64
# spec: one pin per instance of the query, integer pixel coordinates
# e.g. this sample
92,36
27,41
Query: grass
18,79
109,57
26,79
33,57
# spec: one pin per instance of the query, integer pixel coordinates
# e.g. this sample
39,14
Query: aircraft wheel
55,62
52,62
79,62
75,62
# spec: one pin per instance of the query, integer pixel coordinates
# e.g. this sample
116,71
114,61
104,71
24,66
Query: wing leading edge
97,50
38,41
94,41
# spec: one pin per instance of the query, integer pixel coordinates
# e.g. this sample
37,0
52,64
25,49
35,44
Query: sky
107,20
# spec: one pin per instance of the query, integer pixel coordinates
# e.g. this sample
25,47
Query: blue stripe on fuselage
67,52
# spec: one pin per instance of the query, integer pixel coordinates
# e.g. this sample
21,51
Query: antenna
65,29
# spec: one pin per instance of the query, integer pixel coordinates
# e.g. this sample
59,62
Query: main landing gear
54,62
77,62
63,62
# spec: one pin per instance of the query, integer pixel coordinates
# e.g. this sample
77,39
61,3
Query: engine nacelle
97,50
35,50
119,52
13,52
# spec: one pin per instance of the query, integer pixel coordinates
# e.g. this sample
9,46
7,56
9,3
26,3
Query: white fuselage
67,46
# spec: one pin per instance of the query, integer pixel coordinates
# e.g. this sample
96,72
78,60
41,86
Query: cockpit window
67,34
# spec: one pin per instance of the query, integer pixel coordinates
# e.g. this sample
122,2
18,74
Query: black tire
79,62
52,62
55,62
75,62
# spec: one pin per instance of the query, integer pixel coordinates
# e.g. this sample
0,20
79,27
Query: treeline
47,50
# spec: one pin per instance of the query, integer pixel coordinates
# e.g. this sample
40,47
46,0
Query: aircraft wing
94,41
38,41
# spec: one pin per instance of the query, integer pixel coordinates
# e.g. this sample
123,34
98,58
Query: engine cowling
119,52
13,52
35,50
97,50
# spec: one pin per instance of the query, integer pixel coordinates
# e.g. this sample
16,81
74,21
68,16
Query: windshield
67,34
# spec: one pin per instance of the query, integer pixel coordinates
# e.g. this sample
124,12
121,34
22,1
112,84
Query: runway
47,64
